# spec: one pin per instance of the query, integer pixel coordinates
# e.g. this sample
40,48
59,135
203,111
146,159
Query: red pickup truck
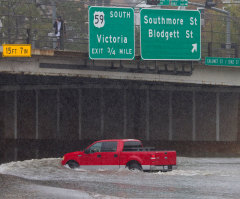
121,153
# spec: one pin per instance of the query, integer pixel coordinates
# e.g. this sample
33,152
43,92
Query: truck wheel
72,164
135,166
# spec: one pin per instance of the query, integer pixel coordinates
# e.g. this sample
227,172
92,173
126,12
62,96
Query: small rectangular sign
16,50
179,2
222,61
174,2
164,3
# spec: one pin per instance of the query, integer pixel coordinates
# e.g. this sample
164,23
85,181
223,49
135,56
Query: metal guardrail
31,21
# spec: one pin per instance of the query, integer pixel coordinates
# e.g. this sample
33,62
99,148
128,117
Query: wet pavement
210,178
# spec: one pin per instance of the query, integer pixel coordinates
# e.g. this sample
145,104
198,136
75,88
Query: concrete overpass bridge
60,101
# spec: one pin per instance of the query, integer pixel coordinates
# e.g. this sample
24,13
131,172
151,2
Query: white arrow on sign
194,48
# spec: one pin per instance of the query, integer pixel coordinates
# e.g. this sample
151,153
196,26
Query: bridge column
15,115
58,113
124,113
170,115
80,114
193,116
238,119
217,117
2,114
102,113
147,114
15,125
37,121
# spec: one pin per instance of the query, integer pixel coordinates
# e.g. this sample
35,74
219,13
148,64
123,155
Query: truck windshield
132,146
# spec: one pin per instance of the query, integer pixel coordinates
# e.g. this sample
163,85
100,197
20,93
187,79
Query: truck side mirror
87,151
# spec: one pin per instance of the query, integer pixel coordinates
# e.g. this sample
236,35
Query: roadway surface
195,178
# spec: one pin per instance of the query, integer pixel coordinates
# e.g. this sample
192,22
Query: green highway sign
111,33
174,2
179,2
164,3
170,34
221,61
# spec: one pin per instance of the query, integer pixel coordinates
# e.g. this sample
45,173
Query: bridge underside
44,116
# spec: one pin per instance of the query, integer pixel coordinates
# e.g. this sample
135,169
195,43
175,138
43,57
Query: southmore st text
165,23
168,21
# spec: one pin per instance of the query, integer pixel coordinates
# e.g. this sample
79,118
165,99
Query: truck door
109,155
92,159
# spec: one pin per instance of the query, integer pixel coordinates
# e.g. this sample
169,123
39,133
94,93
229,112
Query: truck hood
74,153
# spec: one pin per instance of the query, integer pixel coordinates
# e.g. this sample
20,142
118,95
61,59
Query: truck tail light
153,157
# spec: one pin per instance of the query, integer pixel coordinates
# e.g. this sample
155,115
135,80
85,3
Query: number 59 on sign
99,21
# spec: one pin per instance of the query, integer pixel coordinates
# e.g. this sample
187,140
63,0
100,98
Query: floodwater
195,178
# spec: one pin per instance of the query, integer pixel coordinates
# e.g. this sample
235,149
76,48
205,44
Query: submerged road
203,178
